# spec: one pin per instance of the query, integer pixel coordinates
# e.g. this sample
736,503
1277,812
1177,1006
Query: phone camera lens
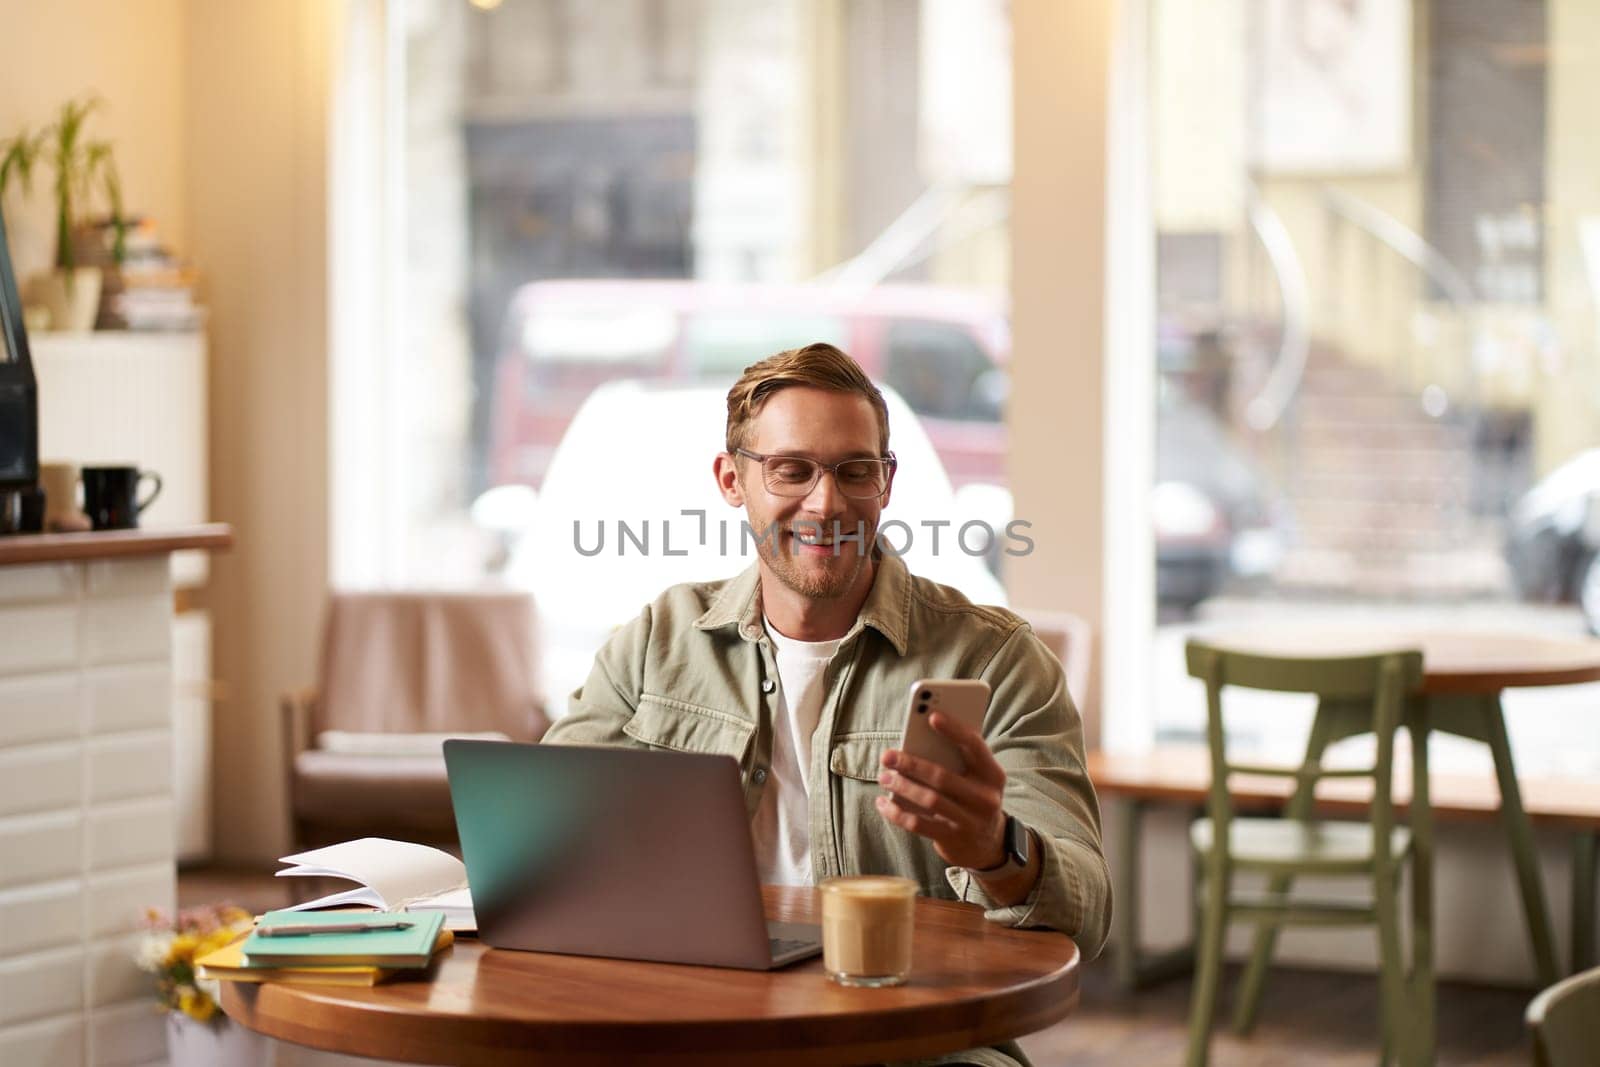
926,695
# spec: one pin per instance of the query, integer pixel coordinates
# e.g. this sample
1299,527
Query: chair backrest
1383,681
421,662
1565,1020
1350,677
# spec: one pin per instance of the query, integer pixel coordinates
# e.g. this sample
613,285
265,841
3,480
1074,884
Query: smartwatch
1015,842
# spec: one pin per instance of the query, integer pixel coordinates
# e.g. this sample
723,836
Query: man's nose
825,498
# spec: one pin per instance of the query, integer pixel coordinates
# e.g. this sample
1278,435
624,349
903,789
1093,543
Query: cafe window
637,199
718,346
942,372
1376,262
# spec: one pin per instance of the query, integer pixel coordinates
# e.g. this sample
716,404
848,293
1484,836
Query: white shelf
124,397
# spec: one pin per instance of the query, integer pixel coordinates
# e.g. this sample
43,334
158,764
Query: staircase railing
1460,375
1267,407
1437,268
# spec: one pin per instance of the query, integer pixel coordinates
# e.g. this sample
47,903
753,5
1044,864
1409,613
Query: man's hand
960,814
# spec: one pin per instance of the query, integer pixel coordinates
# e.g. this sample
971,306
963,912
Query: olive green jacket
695,672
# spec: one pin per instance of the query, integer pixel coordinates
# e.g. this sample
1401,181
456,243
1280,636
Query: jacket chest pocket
663,722
859,756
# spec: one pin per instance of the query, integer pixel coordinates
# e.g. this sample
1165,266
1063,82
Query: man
800,669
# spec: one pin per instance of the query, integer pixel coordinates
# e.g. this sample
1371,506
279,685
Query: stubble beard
829,583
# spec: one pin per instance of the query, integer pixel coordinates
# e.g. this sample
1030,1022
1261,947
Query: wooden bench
1179,776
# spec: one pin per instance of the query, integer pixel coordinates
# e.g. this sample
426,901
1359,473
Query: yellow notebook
226,964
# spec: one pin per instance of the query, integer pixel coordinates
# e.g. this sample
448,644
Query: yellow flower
182,948
213,941
196,1005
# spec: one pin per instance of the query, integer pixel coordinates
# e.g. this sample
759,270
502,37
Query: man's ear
726,470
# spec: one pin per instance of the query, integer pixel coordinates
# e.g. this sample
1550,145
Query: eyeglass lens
797,476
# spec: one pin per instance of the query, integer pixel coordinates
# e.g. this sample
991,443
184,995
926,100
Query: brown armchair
398,673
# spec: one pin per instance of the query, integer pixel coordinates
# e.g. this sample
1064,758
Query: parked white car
629,506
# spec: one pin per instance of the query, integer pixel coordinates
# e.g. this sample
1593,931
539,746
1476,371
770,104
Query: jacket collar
887,608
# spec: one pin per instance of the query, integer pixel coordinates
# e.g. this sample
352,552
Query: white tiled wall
39,984
39,707
86,808
43,638
127,1034
44,777
57,1039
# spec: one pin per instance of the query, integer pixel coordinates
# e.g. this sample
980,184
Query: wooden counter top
104,544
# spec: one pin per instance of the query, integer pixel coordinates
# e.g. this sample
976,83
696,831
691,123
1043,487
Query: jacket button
768,685
760,776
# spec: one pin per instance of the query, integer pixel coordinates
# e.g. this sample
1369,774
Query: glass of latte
866,929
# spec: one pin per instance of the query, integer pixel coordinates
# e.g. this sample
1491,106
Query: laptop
628,853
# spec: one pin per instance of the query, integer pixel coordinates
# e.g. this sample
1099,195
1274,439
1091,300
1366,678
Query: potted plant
82,167
198,1034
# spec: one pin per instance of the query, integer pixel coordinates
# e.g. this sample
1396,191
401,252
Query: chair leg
1299,806
1208,962
1421,984
1386,1053
1396,1020
1524,856
1125,892
1584,865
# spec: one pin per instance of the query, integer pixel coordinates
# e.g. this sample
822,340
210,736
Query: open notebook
392,876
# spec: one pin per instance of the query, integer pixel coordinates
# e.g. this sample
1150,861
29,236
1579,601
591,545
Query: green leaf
82,168
18,158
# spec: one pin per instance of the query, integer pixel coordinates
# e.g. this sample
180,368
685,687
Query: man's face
825,426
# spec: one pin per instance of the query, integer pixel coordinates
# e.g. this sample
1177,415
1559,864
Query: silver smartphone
962,699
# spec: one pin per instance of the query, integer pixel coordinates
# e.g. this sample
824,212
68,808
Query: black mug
111,496
22,510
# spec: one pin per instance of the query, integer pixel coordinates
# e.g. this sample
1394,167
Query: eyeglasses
859,479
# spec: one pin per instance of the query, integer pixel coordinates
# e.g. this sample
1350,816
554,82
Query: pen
332,928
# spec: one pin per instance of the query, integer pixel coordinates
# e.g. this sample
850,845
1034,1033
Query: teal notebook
380,948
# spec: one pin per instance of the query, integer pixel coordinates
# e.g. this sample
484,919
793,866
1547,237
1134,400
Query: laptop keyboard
780,946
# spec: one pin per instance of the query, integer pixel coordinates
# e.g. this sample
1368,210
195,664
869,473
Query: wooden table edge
1491,680
288,1013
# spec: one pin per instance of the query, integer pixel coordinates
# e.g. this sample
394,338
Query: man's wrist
1010,885
1013,851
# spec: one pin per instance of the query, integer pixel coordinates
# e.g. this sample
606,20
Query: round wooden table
973,983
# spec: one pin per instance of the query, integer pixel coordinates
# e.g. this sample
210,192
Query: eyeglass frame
832,468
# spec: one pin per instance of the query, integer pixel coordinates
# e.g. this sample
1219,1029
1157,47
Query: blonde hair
819,365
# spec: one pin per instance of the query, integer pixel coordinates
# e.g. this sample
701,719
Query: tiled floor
1310,1018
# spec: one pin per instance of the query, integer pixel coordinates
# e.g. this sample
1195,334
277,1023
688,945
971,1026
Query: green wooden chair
1375,687
1565,1020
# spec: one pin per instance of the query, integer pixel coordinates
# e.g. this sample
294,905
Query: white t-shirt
782,828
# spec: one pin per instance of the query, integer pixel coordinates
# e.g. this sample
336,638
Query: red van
944,350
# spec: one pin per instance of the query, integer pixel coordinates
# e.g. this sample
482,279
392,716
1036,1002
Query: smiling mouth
809,541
